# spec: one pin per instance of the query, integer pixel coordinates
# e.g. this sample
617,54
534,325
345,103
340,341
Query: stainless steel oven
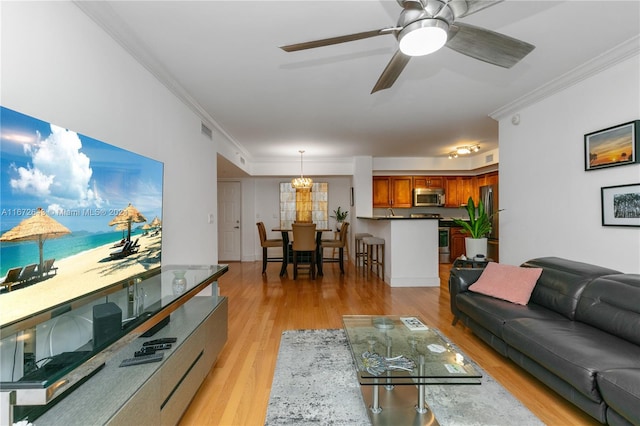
443,245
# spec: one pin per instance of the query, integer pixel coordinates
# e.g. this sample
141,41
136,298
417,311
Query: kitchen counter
447,222
396,218
411,249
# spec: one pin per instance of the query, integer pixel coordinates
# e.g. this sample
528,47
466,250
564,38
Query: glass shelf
47,353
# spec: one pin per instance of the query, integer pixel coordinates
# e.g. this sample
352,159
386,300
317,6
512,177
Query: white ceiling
224,55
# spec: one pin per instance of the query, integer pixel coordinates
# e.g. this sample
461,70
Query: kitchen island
411,249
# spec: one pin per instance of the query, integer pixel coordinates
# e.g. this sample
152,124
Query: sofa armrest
459,281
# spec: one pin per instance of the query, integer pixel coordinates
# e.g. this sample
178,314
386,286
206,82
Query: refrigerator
489,197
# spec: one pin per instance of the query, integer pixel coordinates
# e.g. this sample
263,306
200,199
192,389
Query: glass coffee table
396,363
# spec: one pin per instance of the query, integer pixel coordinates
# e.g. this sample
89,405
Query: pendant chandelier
301,182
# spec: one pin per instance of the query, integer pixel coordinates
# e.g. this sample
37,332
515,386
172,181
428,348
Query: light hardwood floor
261,307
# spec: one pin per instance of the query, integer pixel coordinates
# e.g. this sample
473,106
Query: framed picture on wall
614,146
621,205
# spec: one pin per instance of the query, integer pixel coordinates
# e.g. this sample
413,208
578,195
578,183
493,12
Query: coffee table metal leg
422,406
375,403
388,342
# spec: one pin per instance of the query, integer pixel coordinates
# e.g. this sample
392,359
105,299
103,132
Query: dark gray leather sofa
579,333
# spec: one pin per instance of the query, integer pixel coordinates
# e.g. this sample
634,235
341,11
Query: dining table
286,248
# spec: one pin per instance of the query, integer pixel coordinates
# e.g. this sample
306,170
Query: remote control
144,351
160,341
413,324
144,359
159,347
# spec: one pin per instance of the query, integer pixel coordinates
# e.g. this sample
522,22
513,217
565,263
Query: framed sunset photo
614,146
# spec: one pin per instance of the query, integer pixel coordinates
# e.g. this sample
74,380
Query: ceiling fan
424,26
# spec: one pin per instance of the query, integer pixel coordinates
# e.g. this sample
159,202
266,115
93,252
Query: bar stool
375,254
361,254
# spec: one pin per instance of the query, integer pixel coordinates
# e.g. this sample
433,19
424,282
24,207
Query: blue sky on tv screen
79,181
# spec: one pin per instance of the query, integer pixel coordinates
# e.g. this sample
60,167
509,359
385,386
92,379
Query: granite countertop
396,218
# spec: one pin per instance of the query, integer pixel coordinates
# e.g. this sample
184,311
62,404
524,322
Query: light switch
210,218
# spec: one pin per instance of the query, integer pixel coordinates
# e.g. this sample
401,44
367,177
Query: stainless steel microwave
428,197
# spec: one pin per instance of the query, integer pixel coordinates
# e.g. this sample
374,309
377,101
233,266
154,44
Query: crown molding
107,19
594,66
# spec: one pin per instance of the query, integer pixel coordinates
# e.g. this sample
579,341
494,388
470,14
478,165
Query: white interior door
229,234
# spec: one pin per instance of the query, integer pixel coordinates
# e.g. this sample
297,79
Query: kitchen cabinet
456,242
428,182
487,179
458,189
491,178
392,191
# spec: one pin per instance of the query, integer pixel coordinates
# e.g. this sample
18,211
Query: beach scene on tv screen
76,214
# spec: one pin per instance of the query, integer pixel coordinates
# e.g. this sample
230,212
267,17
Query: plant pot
475,246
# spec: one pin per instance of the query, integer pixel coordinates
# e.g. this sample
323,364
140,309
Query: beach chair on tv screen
29,273
12,277
48,267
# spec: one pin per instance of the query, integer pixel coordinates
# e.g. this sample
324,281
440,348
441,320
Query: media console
180,302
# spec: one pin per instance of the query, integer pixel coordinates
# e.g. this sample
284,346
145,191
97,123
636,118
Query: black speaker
107,323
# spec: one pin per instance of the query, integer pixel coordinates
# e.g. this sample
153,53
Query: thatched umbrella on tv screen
121,227
39,227
128,216
155,223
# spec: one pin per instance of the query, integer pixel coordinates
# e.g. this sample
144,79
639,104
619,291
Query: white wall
58,66
552,206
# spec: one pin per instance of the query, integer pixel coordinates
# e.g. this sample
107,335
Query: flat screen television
76,214
78,217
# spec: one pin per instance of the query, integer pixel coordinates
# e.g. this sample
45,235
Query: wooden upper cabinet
392,191
491,178
428,182
402,191
458,189
397,191
381,191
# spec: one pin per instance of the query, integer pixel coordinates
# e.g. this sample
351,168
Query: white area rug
315,383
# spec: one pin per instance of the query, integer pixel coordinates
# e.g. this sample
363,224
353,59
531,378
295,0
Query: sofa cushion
562,282
612,303
507,282
620,389
492,313
572,350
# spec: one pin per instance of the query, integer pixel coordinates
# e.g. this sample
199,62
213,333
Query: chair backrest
262,232
28,271
304,236
13,274
344,232
47,265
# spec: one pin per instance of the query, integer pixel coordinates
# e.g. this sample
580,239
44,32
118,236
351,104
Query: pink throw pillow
507,282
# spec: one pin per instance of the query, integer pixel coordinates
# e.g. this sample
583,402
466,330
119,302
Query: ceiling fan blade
392,71
336,40
488,46
474,6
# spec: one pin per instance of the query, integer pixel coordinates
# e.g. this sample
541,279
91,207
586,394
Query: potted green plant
478,227
339,216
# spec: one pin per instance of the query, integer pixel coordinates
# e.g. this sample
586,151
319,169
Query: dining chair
339,244
265,243
304,240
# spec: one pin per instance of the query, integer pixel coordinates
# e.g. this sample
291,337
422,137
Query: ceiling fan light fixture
423,37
